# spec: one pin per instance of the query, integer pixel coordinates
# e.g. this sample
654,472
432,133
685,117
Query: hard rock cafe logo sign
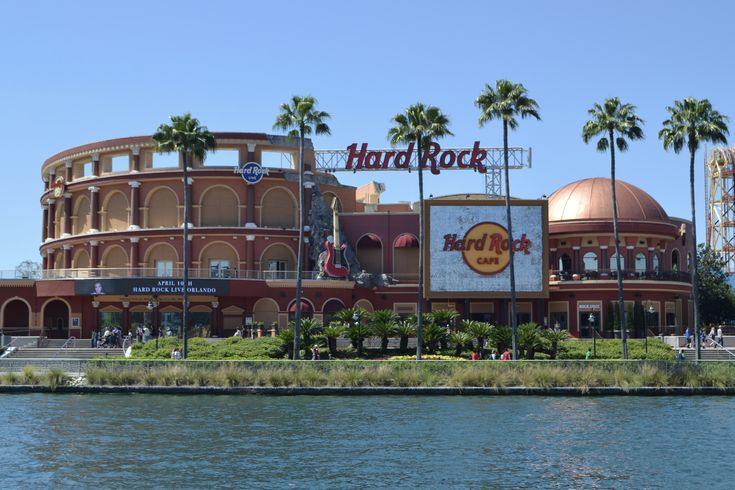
251,172
484,247
58,186
434,158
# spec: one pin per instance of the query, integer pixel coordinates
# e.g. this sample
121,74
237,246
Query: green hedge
202,349
613,349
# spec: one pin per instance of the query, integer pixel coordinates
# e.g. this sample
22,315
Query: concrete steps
81,353
708,355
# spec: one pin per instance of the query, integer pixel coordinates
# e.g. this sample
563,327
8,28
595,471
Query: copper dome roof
591,199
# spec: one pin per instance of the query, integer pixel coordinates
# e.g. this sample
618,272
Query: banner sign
100,287
251,172
467,249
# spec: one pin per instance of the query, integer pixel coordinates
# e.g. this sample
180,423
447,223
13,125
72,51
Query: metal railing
70,343
628,274
14,274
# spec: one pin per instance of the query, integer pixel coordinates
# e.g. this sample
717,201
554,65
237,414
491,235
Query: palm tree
355,326
614,122
553,338
479,331
692,121
300,118
383,324
420,124
506,101
405,329
332,332
460,340
186,136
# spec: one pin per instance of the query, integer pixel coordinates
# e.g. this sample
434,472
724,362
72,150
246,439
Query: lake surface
164,441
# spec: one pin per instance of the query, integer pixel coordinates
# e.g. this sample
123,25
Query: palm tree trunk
695,279
299,254
185,316
513,306
621,295
420,299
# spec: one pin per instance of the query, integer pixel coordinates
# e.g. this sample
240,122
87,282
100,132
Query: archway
220,259
278,209
331,307
406,257
265,310
276,260
219,207
82,218
163,210
116,259
115,212
307,309
370,253
56,319
163,258
16,317
675,260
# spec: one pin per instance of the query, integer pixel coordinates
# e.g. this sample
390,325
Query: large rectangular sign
466,250
167,285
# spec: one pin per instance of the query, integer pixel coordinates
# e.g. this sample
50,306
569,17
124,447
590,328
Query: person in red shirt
505,356
475,356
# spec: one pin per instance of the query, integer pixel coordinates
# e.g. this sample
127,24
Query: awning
305,307
406,241
371,240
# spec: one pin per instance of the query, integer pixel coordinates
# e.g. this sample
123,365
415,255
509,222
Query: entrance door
56,320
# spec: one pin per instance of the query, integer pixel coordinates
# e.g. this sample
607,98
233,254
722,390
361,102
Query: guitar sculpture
335,264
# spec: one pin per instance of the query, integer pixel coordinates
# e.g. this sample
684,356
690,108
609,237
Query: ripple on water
150,441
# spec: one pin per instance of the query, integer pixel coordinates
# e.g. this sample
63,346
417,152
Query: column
51,230
134,257
214,320
630,258
44,223
604,264
93,254
96,313
135,162
649,263
67,215
126,317
250,201
250,252
44,260
134,205
50,259
553,260
46,183
575,260
308,185
95,205
69,173
96,164
67,256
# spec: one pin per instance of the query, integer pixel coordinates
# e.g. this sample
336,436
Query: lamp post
152,305
591,320
649,311
356,318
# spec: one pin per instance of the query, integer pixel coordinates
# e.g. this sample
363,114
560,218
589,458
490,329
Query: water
161,441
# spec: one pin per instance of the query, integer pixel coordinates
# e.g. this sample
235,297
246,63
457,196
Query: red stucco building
111,247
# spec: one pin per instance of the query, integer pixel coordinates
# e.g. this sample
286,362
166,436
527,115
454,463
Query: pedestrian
176,354
588,354
94,338
688,338
493,355
720,338
474,356
505,356
711,336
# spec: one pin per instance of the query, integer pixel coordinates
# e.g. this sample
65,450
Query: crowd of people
715,338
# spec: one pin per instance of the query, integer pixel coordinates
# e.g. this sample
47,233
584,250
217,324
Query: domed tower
654,259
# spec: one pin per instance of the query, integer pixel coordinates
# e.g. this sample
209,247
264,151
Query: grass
201,349
497,374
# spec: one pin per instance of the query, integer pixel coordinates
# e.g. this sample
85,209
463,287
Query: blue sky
77,72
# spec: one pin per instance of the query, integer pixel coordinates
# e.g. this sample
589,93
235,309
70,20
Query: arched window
220,259
278,209
82,221
614,262
115,213
163,209
370,253
406,257
220,207
654,263
675,260
590,261
276,260
640,263
565,263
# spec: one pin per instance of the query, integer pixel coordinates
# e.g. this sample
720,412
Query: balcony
178,273
612,275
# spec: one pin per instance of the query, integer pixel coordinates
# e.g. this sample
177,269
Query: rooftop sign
434,158
251,172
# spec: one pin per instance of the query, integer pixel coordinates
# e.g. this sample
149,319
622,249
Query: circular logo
58,186
252,173
486,248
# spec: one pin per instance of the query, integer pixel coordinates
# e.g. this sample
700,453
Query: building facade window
590,262
164,268
219,268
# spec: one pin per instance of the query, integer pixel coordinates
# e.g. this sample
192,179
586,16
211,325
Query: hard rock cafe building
112,248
